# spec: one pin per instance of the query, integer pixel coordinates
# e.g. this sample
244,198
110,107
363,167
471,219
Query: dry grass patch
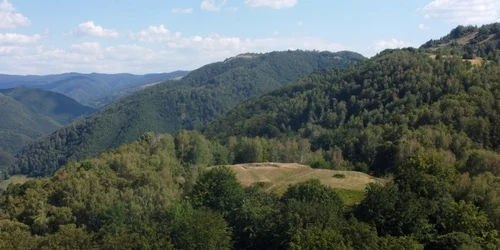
279,176
16,179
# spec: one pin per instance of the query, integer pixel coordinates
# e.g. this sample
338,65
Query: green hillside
397,97
188,103
469,42
20,126
54,105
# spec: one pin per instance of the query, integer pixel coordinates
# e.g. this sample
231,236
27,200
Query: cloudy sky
111,36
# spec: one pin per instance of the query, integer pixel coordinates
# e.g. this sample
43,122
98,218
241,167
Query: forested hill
398,95
20,125
188,103
29,114
54,105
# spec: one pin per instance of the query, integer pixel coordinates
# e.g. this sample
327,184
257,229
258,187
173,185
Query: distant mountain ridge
188,103
57,106
86,88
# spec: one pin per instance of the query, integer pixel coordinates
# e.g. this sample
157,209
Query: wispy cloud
423,27
90,29
389,44
13,38
182,11
10,19
275,4
212,5
463,11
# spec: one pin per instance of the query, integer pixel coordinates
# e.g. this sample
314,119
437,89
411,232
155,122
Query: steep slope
188,103
86,88
19,126
54,105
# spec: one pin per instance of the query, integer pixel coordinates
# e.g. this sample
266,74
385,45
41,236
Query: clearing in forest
16,179
277,177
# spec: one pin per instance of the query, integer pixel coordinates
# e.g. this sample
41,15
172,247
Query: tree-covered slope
187,103
20,125
54,105
396,95
469,42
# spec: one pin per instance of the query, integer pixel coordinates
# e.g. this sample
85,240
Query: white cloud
390,44
423,27
9,50
212,5
463,11
275,4
10,19
13,38
155,49
156,34
182,11
90,29
300,23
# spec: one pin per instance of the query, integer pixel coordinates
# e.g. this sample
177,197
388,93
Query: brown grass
281,175
16,179
476,61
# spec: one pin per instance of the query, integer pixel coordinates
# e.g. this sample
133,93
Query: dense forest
157,193
188,103
400,97
29,114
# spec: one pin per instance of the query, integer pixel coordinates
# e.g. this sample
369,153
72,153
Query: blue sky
111,36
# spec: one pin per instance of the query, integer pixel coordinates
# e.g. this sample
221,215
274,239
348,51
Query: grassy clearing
16,179
277,177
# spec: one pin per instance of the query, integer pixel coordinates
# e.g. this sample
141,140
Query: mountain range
92,89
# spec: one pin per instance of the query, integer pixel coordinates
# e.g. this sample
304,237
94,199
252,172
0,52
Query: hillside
87,88
54,105
20,126
469,42
187,103
397,96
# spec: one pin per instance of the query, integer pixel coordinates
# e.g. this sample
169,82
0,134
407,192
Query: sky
152,36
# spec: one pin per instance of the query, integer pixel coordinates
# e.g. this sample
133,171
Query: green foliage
219,190
188,103
199,229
